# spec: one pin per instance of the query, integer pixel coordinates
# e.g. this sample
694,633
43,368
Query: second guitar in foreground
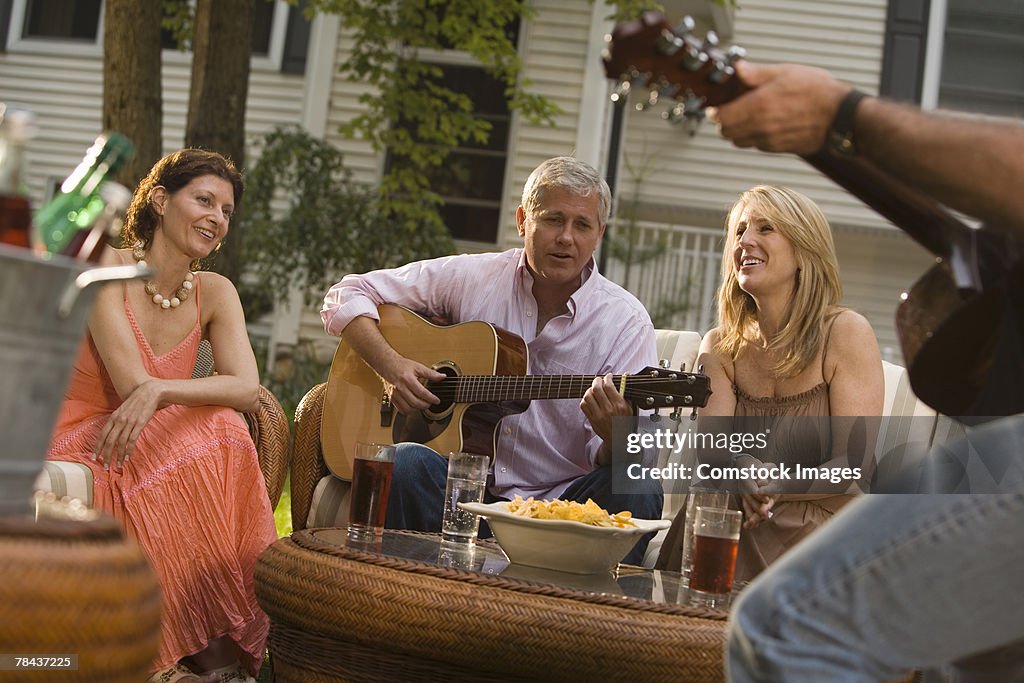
486,380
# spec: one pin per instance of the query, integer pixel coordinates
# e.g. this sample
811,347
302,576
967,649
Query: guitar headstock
671,63
654,388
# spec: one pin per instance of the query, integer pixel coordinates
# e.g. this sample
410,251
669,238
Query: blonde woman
784,347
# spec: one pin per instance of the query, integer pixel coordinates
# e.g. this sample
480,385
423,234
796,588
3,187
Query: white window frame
72,48
932,77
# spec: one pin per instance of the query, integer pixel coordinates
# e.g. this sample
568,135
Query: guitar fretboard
484,388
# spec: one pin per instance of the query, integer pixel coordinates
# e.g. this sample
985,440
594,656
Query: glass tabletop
486,557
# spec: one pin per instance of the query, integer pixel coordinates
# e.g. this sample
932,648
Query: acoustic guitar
950,322
486,380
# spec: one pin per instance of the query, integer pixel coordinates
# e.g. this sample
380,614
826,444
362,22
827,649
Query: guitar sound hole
445,391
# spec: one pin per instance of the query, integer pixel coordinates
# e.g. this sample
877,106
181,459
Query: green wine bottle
78,204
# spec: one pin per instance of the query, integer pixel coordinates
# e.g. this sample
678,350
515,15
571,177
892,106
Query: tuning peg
711,39
700,369
676,415
669,43
734,53
664,363
621,92
693,415
682,366
685,25
656,415
652,99
694,58
690,112
675,114
721,72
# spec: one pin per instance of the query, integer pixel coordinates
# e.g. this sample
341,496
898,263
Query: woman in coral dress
171,457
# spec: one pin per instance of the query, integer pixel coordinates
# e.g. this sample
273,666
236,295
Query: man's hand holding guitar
601,404
789,109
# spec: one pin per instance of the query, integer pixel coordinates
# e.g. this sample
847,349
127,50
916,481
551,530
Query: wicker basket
77,588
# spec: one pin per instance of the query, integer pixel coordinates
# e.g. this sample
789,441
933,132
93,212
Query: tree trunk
220,86
132,90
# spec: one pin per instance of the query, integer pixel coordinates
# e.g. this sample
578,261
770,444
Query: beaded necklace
139,254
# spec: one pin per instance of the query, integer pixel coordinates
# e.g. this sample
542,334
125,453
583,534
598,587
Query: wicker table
409,609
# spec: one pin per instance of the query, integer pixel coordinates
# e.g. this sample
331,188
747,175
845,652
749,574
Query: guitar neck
488,388
930,225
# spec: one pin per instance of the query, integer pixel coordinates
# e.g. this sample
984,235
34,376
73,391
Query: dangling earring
139,250
217,248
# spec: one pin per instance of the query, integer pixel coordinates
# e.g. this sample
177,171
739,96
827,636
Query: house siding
366,164
553,48
65,91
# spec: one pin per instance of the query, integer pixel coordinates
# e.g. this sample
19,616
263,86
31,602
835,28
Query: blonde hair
817,289
571,174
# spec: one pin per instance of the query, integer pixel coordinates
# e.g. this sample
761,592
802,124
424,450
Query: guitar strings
449,389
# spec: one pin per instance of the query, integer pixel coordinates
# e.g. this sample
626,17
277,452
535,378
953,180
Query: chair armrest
268,426
308,466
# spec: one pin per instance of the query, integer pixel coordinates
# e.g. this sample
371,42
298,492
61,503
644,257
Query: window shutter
296,40
5,23
906,36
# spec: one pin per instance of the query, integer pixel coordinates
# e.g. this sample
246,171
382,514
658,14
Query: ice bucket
44,306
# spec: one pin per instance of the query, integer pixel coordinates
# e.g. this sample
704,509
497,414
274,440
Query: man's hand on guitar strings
408,379
601,403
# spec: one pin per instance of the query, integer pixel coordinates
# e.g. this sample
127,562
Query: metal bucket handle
94,276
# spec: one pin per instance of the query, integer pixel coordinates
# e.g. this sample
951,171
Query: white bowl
558,544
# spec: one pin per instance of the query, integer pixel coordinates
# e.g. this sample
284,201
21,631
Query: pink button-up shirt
541,451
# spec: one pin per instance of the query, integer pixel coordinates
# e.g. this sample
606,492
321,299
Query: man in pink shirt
574,321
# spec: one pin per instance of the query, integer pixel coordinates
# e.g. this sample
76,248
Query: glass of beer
697,498
716,538
371,482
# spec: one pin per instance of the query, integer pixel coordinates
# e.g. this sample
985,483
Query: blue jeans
894,583
416,500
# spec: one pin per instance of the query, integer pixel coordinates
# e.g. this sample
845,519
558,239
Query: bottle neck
86,178
12,155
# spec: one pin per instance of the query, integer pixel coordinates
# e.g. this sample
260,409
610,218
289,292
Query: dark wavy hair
173,172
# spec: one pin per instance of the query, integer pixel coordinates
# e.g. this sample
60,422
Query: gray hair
570,174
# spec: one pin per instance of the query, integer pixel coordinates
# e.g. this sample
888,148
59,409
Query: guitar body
952,339
356,406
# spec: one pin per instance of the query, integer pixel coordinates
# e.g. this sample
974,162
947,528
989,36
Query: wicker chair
268,426
308,466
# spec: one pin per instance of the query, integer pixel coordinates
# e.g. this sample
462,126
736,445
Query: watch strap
840,135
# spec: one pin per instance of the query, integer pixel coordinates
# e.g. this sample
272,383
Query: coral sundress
191,493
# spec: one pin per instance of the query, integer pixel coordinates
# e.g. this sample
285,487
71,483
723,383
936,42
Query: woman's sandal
232,673
178,673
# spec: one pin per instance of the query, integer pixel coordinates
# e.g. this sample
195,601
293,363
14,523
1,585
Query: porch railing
672,269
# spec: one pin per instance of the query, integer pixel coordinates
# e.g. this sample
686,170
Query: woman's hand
756,495
757,508
118,437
